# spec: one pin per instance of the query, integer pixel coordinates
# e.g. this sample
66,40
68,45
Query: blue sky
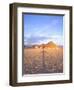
40,29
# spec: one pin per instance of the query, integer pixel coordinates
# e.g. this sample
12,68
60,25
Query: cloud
35,39
43,39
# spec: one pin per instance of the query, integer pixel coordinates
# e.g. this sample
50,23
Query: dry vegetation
37,62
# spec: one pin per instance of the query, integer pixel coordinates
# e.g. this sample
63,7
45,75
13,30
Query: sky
41,29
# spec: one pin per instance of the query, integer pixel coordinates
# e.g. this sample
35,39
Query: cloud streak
43,39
